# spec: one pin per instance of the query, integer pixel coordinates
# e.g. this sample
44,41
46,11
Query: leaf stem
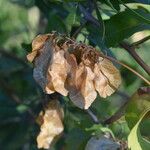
93,116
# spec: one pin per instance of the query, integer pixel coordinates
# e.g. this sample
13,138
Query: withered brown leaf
83,92
64,66
107,77
37,44
58,71
74,81
42,63
74,85
52,126
50,66
87,88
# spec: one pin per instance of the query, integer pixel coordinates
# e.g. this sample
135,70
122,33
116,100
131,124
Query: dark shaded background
21,98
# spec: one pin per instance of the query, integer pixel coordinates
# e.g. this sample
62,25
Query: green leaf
73,17
27,47
22,108
98,129
135,139
138,104
113,4
125,24
55,23
95,39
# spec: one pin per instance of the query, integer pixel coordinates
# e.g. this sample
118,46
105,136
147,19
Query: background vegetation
113,27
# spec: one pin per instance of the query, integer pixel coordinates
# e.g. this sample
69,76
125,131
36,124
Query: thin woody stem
131,50
120,112
93,116
135,44
79,29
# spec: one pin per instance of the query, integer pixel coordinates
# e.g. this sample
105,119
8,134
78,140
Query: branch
93,116
136,44
131,50
79,30
120,112
88,16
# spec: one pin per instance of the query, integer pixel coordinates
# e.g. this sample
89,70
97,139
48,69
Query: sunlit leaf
135,139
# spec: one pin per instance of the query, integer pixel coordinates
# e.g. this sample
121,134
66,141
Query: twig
136,44
122,94
93,116
88,16
79,29
131,50
120,112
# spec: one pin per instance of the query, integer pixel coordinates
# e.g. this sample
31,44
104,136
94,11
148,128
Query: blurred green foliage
21,98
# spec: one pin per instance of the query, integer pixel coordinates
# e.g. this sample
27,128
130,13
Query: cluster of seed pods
74,69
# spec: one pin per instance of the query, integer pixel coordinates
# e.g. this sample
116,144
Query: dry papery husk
51,125
93,73
74,69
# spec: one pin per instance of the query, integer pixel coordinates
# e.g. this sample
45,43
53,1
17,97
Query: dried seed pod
64,66
51,67
87,88
107,77
37,44
58,71
74,81
82,91
51,126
